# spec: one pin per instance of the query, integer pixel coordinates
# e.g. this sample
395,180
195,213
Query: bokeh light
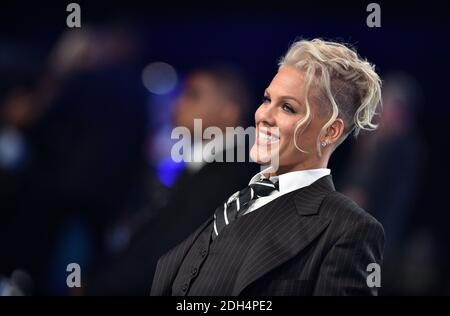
159,77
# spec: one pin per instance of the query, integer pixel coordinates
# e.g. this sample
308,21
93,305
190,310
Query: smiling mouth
267,136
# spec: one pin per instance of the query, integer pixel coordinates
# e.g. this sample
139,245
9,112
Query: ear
334,131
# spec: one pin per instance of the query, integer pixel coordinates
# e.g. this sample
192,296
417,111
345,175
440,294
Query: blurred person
85,124
289,232
386,174
16,101
218,95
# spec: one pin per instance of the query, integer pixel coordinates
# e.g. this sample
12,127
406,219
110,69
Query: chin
263,155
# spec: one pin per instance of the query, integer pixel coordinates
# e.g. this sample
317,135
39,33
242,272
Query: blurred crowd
86,176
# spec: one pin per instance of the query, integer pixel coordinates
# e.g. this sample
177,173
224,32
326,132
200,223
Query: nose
265,115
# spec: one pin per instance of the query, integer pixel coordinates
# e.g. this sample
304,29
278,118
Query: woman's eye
287,108
265,99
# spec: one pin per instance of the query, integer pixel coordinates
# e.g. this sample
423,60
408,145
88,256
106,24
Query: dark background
88,157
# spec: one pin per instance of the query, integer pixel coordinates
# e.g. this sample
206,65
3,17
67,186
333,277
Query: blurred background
86,116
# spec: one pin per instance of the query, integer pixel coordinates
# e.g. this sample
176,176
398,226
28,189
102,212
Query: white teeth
263,137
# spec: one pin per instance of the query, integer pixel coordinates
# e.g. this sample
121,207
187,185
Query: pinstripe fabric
169,264
313,241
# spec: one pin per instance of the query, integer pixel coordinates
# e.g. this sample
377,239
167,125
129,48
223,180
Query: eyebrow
286,97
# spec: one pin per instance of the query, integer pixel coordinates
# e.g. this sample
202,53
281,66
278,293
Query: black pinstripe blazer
312,241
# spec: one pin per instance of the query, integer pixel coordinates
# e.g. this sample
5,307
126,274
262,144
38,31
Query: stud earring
324,143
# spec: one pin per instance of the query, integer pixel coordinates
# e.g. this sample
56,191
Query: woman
289,232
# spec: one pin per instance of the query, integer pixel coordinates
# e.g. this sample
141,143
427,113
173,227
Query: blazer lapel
297,225
169,263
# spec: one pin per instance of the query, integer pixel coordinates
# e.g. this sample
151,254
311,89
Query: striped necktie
239,202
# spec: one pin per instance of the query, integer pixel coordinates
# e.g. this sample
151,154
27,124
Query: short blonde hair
343,84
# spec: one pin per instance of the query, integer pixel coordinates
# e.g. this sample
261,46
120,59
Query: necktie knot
240,201
264,187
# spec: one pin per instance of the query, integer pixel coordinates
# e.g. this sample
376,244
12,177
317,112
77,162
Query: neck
305,165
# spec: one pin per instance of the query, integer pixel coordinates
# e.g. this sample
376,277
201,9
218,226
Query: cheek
290,135
287,131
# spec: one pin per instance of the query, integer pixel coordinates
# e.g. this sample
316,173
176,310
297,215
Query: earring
324,143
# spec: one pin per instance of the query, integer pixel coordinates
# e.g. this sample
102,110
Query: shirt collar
293,180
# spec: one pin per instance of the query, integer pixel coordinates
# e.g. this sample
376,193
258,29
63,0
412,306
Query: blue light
168,171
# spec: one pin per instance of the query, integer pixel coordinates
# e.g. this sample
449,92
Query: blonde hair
341,82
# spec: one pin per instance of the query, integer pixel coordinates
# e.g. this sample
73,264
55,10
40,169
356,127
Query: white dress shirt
288,182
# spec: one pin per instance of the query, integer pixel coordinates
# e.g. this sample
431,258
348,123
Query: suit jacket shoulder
355,243
346,213
336,260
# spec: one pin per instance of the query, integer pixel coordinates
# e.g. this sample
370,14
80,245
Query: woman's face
276,118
